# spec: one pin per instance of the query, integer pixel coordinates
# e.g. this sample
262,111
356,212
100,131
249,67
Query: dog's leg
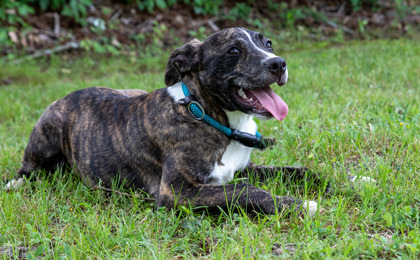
181,187
216,197
288,173
42,152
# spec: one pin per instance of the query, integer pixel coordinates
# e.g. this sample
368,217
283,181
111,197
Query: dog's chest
236,156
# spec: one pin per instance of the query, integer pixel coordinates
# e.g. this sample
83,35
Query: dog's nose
276,65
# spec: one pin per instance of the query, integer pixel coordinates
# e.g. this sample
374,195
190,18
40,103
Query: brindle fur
153,142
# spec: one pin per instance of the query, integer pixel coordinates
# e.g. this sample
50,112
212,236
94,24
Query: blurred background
37,28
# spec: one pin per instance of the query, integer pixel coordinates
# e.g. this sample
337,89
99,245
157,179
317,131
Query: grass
354,110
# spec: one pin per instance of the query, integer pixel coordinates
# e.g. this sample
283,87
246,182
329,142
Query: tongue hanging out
271,102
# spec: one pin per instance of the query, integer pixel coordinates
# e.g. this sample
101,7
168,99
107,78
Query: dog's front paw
14,185
310,207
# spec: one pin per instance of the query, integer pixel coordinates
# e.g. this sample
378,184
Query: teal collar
197,111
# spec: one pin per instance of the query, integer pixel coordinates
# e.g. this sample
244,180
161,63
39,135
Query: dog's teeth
242,93
251,99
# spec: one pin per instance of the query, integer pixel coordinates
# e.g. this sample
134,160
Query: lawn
353,110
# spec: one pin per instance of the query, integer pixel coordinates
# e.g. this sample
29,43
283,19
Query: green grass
354,110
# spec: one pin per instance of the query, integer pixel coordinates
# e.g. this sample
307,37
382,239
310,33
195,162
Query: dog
183,143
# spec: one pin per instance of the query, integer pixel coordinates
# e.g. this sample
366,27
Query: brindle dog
155,144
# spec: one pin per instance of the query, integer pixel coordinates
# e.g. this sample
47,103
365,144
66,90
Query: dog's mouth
262,101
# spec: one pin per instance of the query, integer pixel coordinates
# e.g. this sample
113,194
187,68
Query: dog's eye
233,51
269,44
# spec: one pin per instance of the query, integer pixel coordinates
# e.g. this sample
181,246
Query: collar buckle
196,110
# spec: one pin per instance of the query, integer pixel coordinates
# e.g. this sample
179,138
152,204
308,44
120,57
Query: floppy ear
182,60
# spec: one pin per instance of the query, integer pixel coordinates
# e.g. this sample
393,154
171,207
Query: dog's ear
182,60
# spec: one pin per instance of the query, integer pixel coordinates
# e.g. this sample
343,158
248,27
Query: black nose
276,65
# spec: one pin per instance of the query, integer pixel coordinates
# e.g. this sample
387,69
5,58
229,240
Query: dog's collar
197,111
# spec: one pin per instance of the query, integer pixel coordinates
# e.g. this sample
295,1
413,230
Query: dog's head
236,66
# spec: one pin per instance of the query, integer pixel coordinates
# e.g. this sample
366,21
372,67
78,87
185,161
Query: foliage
205,6
403,8
358,4
290,17
13,12
48,4
77,9
103,46
240,11
150,5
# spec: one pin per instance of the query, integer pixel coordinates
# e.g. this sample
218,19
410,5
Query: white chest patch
236,156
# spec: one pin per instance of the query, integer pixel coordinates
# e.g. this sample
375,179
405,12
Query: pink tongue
271,102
